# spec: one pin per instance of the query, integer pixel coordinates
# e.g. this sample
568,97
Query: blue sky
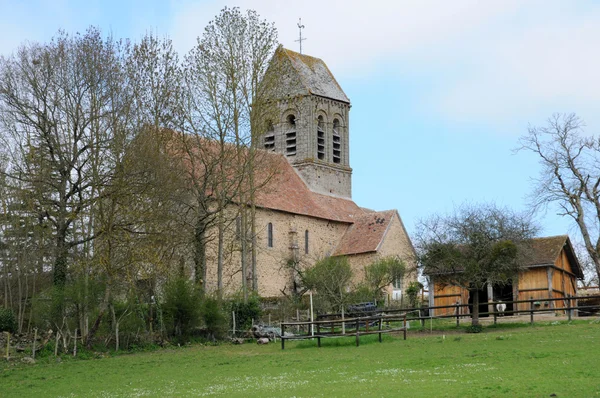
440,90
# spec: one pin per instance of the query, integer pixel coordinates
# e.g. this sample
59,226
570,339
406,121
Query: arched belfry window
270,235
270,137
337,142
306,242
290,136
320,138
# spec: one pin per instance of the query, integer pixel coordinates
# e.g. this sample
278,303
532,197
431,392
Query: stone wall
396,243
275,278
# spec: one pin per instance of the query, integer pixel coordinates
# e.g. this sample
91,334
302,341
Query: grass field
561,359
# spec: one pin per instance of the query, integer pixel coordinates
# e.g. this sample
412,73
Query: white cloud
495,61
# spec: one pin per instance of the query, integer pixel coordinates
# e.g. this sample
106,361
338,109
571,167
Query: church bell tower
312,126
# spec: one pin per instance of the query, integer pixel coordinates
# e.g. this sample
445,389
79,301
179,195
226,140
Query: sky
441,90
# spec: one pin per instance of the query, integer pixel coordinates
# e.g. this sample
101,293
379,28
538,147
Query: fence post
233,323
380,324
318,334
282,335
404,322
422,317
7,346
357,338
569,307
495,315
457,313
34,341
531,309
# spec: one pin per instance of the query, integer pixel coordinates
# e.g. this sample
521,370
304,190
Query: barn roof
314,75
546,250
365,234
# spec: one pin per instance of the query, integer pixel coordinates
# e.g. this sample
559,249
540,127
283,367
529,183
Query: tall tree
224,74
57,114
570,175
474,246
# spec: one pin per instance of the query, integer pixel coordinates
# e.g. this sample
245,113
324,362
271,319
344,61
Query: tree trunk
221,242
200,253
103,308
244,255
475,313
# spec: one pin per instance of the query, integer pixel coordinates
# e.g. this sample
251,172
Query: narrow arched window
270,137
290,136
320,138
306,241
270,235
337,142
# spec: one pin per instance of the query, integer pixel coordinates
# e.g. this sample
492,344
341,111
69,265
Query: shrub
181,307
246,312
8,322
214,318
474,329
331,280
412,291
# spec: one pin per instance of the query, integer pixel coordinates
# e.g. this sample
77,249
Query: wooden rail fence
335,328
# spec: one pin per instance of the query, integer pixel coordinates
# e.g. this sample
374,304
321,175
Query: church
305,212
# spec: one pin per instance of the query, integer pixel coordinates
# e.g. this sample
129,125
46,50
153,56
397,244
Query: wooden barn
552,272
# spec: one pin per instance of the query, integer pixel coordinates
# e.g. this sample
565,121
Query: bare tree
224,75
570,175
57,114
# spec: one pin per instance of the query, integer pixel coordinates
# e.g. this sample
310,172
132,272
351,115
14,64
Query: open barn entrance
483,302
505,293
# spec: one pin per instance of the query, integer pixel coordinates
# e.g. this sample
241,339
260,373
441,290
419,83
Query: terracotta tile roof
285,191
315,75
365,234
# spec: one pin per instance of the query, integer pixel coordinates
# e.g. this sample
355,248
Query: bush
474,329
413,293
246,312
214,318
331,280
181,307
8,322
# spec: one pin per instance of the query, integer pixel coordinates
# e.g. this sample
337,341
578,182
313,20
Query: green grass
551,358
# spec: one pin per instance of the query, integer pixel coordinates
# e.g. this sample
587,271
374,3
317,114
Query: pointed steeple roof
312,75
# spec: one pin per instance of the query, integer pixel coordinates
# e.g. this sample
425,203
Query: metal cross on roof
300,27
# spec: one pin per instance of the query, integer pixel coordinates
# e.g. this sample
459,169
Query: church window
337,142
320,138
270,235
270,137
306,241
290,136
397,283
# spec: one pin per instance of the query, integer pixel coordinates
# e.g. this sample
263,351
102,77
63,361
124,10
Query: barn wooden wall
533,283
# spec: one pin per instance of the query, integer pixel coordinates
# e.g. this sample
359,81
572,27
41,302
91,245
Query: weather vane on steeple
300,27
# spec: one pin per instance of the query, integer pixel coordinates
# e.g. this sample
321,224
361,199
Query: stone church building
305,212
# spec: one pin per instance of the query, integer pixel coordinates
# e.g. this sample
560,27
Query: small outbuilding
552,271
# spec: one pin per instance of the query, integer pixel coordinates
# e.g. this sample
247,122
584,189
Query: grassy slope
559,359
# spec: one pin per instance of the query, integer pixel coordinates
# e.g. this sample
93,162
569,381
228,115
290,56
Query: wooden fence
346,327
569,306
